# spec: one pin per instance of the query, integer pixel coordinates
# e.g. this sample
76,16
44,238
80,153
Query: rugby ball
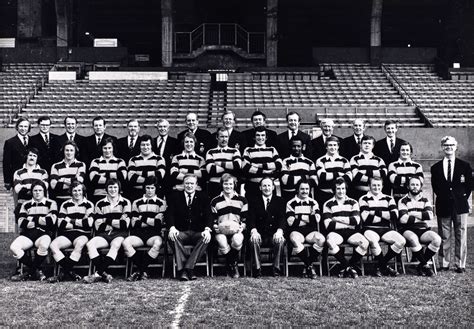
228,227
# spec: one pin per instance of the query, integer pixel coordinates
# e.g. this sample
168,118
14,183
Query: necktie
25,141
46,140
358,140
160,146
293,134
392,145
449,171
267,203
71,138
99,139
189,200
130,146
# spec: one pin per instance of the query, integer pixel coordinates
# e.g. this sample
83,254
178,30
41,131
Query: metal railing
391,77
219,34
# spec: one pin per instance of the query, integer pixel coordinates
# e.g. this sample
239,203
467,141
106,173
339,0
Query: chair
406,258
82,264
331,262
369,258
161,260
203,262
291,260
213,256
266,254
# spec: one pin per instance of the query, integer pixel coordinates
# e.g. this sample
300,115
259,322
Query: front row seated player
230,213
146,224
342,219
303,216
74,229
189,221
415,211
112,220
379,214
266,224
37,219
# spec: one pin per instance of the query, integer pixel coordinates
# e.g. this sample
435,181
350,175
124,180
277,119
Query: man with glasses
451,179
43,142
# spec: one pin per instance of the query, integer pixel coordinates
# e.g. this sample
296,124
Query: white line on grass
179,310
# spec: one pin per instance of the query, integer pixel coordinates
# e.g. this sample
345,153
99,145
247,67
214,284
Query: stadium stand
120,101
446,103
19,82
339,91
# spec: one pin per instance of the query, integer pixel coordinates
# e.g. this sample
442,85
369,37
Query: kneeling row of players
191,219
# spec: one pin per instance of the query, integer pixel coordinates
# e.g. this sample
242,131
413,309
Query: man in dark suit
166,146
203,137
258,119
236,138
43,142
350,146
14,151
388,149
318,145
451,179
266,224
284,148
57,143
129,146
189,221
92,146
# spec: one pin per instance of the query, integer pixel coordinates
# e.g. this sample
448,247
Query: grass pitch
406,301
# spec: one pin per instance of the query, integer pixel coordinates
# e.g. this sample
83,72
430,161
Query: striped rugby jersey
24,177
139,166
303,213
386,212
80,215
399,172
259,162
418,206
145,211
294,169
60,170
234,208
41,215
343,214
222,160
364,167
112,217
106,168
186,163
338,166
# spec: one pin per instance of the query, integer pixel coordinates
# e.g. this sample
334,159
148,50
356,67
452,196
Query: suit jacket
184,218
14,155
350,148
454,195
204,141
381,150
91,150
266,221
46,156
249,135
122,150
236,140
284,144
318,148
170,149
58,142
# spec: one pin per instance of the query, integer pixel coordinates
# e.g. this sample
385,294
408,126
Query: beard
415,192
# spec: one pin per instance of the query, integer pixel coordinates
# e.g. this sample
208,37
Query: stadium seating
119,101
19,82
355,91
446,103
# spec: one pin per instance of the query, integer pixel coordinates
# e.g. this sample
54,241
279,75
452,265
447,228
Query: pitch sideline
179,309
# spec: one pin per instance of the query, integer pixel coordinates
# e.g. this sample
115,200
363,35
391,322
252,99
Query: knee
364,243
436,241
127,244
157,244
116,244
80,242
